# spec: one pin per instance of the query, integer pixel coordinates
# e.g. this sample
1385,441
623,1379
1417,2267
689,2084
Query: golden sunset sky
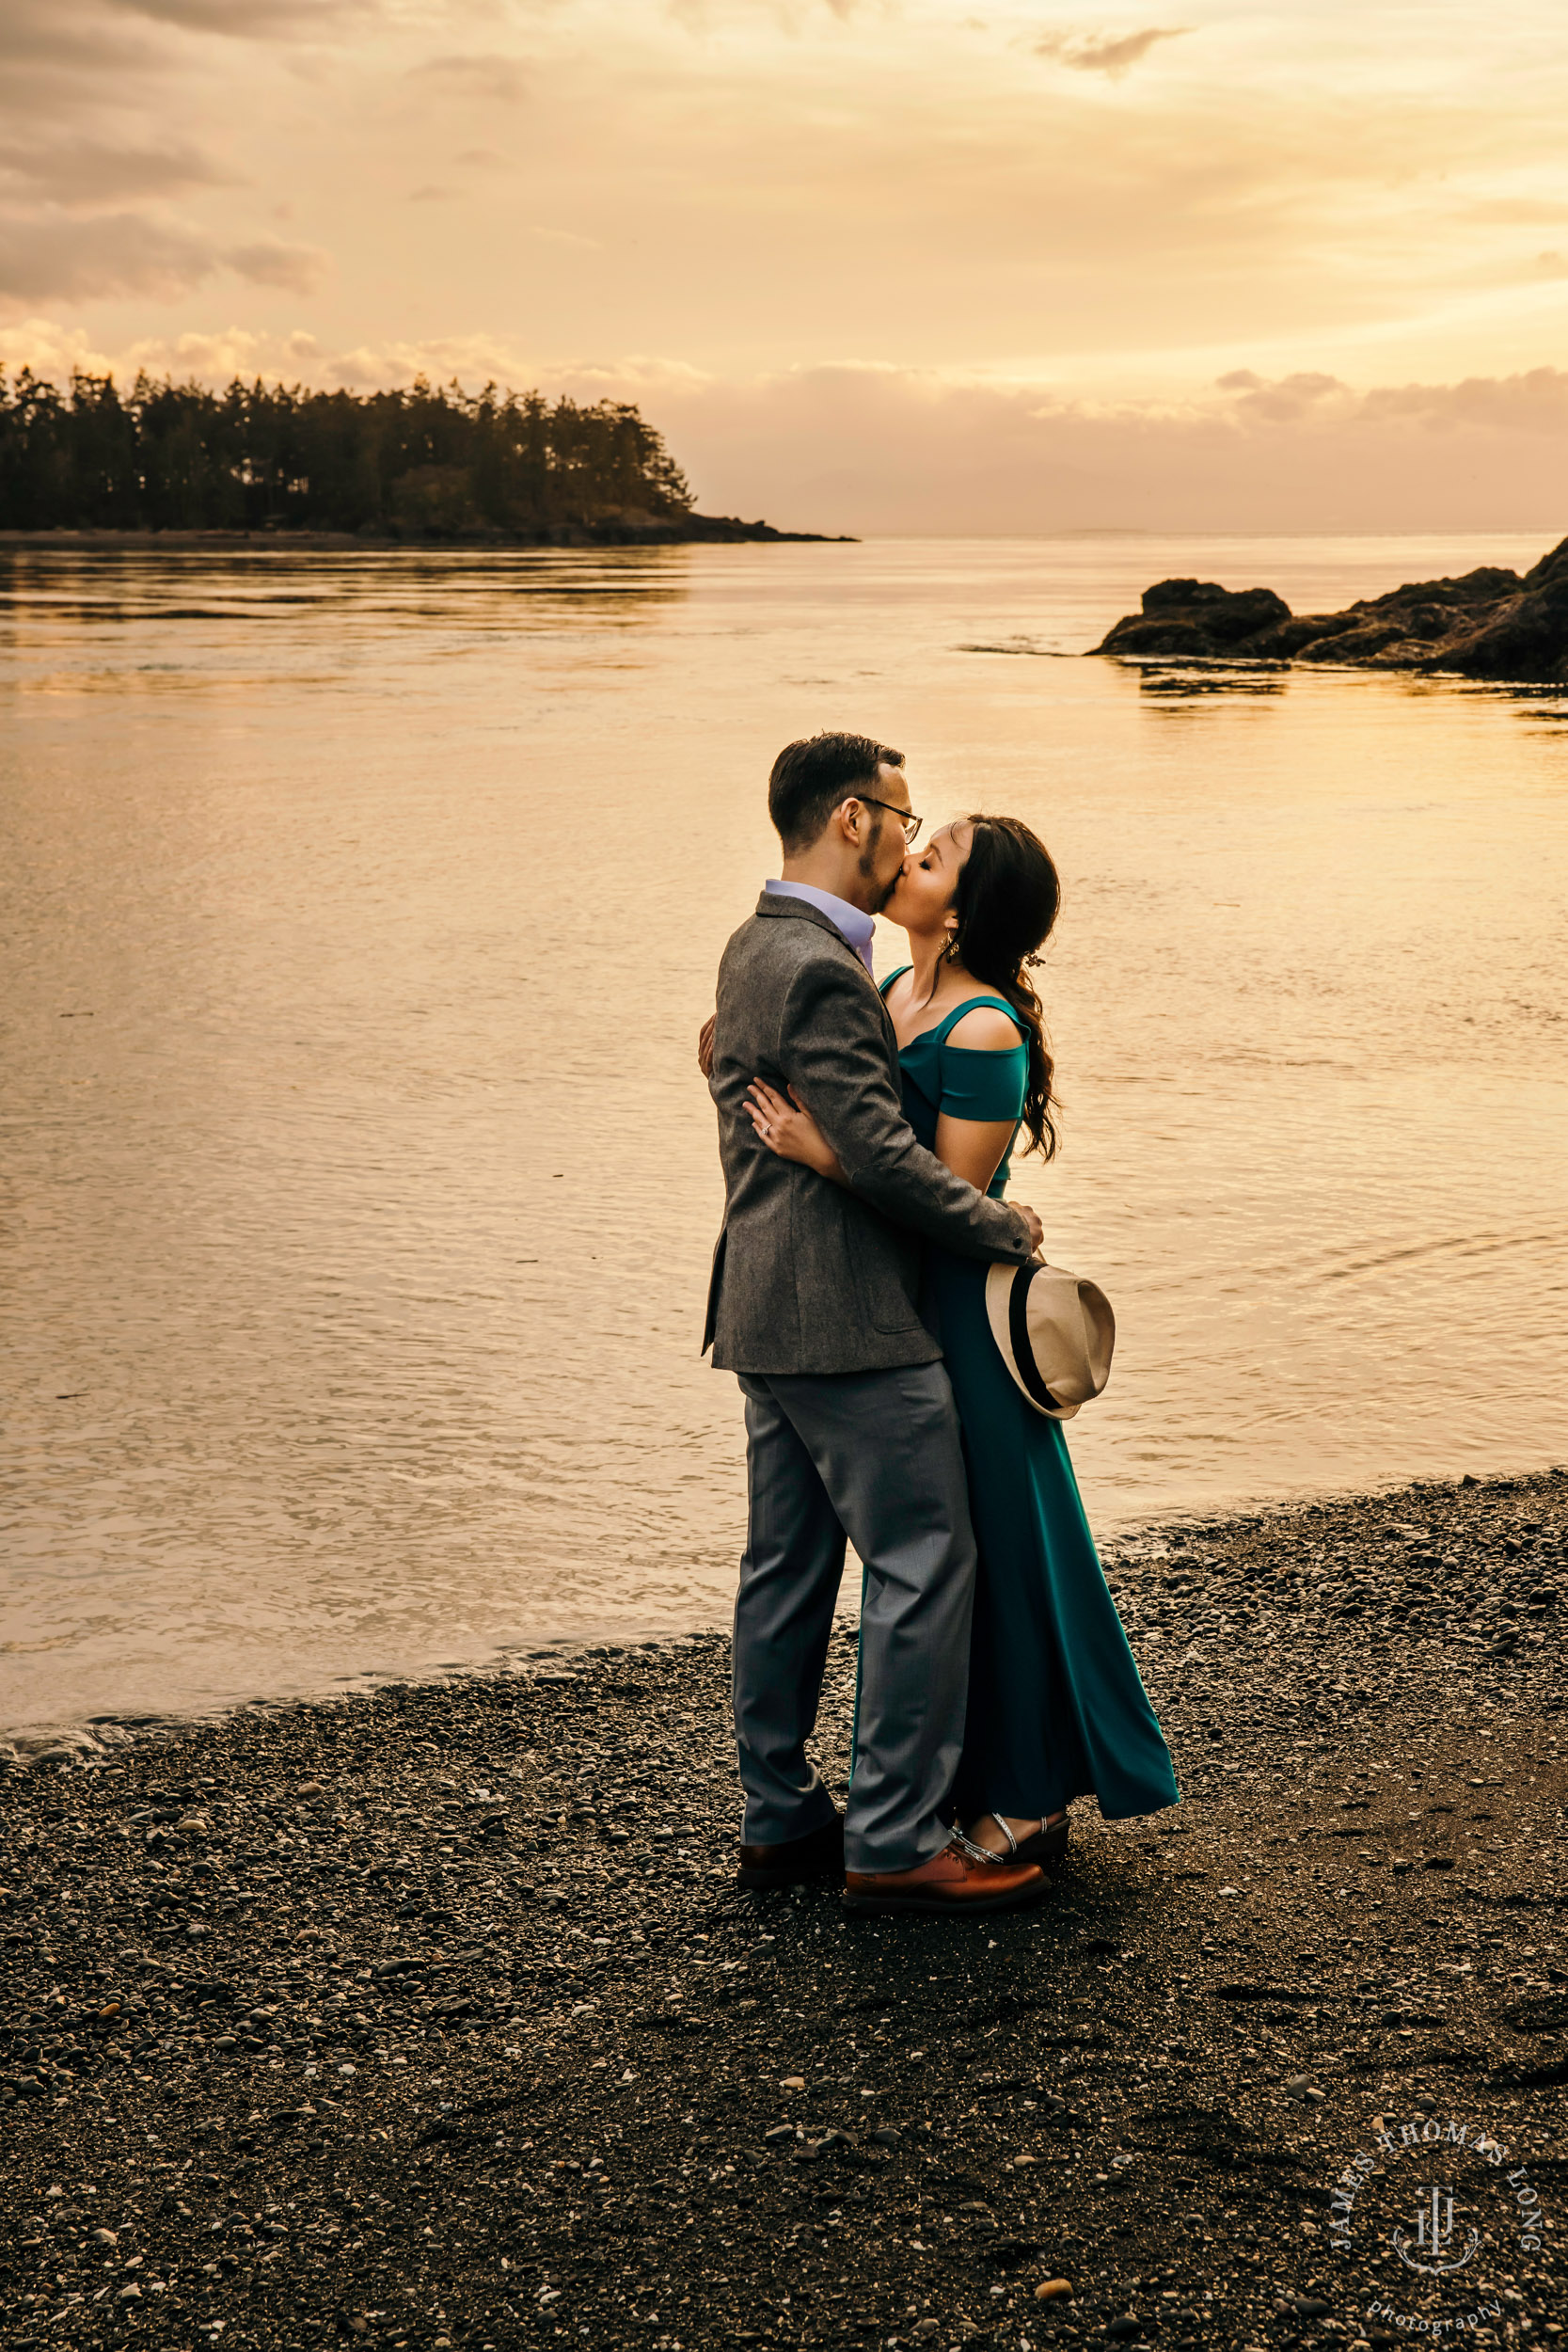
872,265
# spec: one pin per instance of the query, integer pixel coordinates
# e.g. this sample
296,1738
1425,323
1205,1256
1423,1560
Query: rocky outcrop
634,527
1488,624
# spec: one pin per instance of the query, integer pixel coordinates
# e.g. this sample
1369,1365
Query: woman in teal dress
1056,1707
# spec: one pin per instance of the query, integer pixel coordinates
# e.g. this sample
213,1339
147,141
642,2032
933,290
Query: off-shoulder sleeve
830,1042
982,1085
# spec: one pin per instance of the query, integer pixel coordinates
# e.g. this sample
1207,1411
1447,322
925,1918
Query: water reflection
410,588
1021,646
1178,685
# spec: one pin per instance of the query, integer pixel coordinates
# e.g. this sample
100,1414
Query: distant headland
170,463
1487,624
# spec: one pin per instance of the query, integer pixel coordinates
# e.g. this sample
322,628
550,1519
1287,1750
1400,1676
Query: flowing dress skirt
1058,1709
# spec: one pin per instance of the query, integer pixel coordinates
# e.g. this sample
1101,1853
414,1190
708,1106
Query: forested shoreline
422,462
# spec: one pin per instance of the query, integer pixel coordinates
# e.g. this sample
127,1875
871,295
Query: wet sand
432,2017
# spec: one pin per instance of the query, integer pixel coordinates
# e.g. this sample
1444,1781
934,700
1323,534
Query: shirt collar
859,928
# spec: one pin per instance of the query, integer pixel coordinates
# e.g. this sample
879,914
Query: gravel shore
431,2018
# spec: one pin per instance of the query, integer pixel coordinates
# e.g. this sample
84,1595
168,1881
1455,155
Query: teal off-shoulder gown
1056,1707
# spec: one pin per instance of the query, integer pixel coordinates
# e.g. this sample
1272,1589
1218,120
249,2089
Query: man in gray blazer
851,1424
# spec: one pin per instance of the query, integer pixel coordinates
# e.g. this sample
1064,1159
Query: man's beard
868,864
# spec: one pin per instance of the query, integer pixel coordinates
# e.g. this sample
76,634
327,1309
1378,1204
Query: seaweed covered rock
1195,617
1488,623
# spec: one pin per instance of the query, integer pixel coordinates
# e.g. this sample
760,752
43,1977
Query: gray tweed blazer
808,1278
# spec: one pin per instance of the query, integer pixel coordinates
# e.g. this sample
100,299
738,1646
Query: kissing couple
865,1136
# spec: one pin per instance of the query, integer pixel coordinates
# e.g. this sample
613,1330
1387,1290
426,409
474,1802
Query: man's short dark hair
811,779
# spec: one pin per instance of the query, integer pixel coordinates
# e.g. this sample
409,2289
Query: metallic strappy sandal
1046,1845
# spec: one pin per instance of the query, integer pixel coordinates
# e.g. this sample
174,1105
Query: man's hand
705,1047
1036,1230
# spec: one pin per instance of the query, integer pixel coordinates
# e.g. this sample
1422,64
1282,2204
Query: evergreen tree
428,461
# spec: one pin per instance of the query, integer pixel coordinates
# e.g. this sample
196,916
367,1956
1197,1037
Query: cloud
270,261
1533,403
77,172
47,253
50,349
245,19
74,34
53,350
213,355
1104,53
50,254
93,158
1285,399
102,38
883,450
485,74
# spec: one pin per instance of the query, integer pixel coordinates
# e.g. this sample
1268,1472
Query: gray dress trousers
876,1457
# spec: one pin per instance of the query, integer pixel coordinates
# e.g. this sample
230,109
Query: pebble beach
432,2017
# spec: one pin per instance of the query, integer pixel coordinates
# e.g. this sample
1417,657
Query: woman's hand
789,1130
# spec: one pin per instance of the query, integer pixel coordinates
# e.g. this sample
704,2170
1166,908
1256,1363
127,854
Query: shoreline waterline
1129,1552
1128,1548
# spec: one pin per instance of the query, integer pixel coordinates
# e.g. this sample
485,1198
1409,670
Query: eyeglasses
910,822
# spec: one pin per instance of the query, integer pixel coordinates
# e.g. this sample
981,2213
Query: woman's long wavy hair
1007,903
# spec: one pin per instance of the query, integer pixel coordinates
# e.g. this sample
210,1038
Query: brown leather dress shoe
817,1855
961,1878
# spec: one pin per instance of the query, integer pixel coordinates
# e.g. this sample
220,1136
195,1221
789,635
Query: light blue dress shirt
858,928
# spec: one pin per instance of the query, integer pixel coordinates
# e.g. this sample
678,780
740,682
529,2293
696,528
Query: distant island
1487,624
425,466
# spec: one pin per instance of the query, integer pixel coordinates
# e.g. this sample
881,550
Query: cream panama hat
1055,1332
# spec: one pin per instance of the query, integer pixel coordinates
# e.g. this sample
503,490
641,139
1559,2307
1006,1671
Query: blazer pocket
887,1265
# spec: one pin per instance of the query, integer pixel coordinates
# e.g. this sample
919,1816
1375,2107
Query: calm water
359,1186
